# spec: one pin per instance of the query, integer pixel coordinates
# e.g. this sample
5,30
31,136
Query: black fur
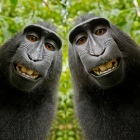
109,113
27,114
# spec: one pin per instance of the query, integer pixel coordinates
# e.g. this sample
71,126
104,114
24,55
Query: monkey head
35,57
94,45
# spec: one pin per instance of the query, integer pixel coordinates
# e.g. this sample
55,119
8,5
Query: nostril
97,52
34,58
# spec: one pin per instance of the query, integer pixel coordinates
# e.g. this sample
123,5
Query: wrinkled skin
28,103
97,49
107,104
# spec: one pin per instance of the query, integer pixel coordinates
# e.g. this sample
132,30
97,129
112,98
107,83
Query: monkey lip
105,68
26,72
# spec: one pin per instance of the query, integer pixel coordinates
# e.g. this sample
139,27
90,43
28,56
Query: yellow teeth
106,67
26,71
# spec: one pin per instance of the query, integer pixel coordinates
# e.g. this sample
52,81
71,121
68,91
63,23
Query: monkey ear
78,27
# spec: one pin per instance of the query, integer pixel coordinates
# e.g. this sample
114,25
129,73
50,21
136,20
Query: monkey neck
24,115
109,118
113,113
25,123
13,98
106,122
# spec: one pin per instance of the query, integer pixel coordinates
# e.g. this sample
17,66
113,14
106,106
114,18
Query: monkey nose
34,57
96,51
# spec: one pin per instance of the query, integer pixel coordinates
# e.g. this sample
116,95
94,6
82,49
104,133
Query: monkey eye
50,46
81,40
100,31
32,38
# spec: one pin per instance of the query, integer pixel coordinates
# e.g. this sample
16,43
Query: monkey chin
110,78
22,82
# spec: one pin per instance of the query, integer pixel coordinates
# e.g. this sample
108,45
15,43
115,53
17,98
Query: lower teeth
102,72
29,76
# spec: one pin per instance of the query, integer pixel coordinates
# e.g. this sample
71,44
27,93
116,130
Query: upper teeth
26,71
106,67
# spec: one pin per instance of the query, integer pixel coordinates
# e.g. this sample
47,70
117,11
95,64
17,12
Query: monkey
104,64
30,69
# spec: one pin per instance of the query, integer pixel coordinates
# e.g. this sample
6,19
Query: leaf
14,2
5,18
127,26
6,33
115,12
58,2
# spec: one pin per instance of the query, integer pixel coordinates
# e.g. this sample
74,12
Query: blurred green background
16,14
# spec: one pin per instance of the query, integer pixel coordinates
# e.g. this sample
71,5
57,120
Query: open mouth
26,72
105,68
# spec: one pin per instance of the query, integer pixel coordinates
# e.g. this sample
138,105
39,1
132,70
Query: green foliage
120,12
14,2
16,14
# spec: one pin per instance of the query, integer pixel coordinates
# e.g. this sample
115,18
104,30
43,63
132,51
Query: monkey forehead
79,26
47,30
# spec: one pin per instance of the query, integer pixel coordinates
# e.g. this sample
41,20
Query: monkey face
34,57
98,52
